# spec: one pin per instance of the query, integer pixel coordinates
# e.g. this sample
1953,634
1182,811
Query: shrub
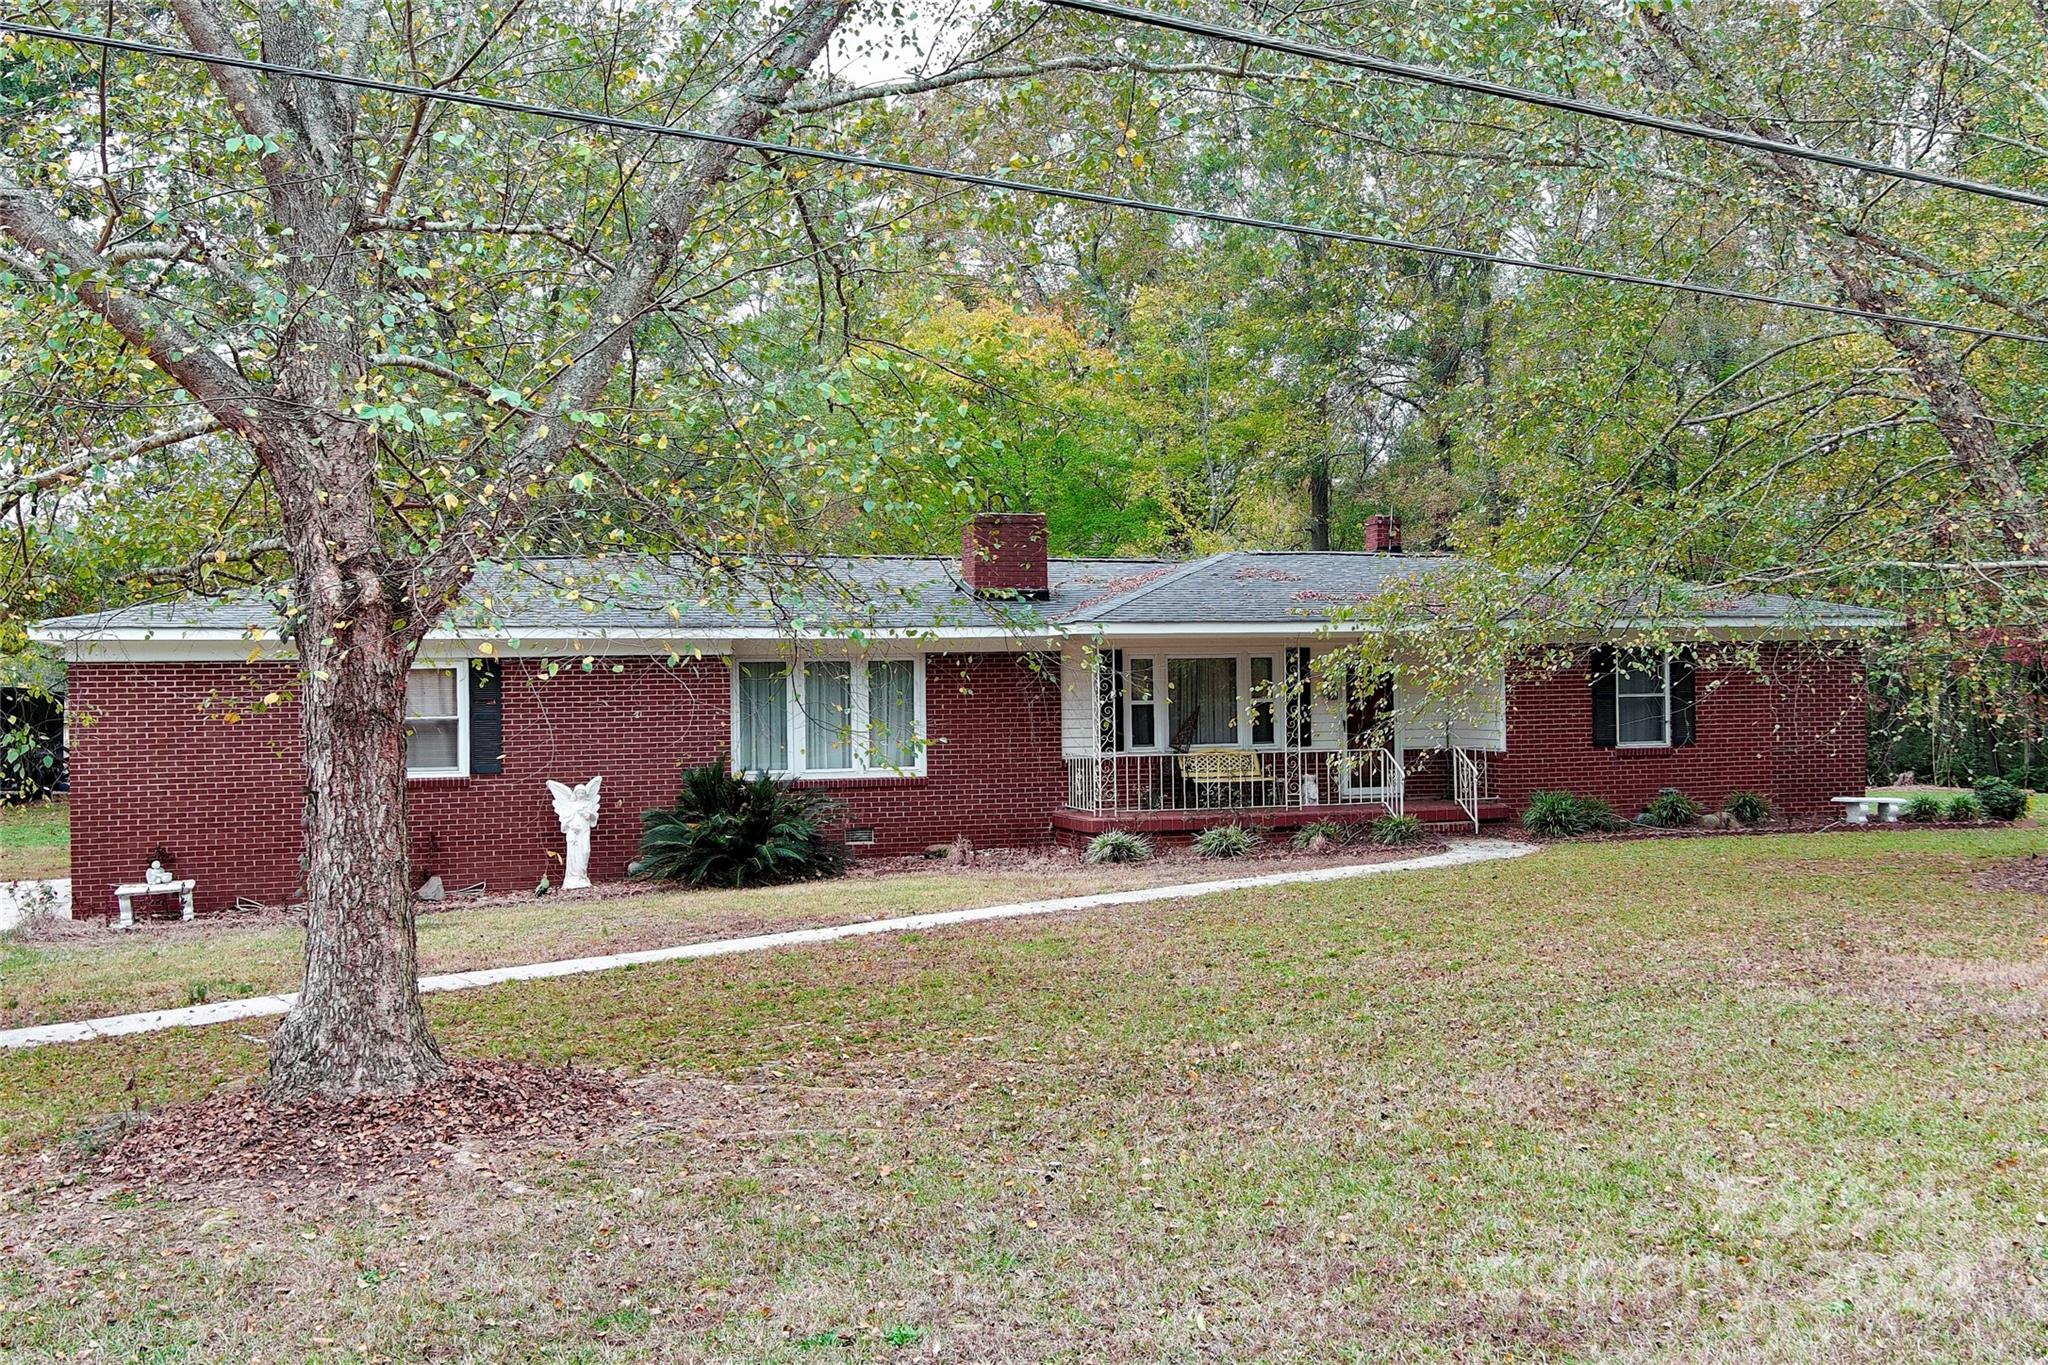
1397,831
1227,841
1328,830
1748,808
1671,809
1965,807
1596,815
1922,810
1118,846
726,830
1555,814
2001,799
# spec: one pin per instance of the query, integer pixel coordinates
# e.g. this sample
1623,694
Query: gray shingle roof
636,595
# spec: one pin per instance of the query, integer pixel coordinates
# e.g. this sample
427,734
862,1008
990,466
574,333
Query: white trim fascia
167,644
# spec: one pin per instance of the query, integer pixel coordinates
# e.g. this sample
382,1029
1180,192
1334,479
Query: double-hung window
1642,702
829,717
1190,703
436,722
1141,696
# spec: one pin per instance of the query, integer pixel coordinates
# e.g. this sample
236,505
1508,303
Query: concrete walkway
256,1007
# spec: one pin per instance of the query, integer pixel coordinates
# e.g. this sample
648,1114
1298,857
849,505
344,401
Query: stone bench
126,893
1859,810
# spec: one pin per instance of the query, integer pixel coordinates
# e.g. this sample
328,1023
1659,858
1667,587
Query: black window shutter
1602,663
486,717
1683,726
1109,691
1300,721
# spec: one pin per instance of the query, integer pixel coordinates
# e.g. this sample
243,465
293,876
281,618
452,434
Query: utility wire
1008,186
1430,75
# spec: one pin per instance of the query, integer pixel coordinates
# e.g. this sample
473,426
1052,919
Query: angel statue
576,808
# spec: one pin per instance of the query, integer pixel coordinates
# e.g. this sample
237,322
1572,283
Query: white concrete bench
126,893
1860,810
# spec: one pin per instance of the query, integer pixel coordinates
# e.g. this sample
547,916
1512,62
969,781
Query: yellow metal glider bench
1219,777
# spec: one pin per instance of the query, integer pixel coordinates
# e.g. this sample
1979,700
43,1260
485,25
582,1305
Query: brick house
1003,697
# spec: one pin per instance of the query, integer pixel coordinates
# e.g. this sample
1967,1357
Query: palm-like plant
728,830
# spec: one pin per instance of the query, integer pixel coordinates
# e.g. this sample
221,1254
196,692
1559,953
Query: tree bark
358,1027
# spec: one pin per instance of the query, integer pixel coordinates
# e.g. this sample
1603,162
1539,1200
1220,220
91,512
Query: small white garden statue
158,874
576,808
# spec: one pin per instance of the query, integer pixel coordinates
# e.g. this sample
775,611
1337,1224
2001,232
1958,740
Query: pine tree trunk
358,1027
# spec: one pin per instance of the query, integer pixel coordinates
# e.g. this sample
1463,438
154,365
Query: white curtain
1201,703
828,715
763,703
892,713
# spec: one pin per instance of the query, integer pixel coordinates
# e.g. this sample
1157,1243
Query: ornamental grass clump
1924,810
1555,815
1964,809
1329,832
1671,809
1118,846
728,830
1748,808
1398,831
1227,841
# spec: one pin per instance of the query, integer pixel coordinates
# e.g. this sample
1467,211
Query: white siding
1080,714
1326,714
1476,715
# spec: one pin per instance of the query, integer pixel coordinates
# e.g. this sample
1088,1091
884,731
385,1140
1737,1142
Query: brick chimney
1383,534
1003,554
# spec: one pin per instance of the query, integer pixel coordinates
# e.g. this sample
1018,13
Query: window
1262,700
1140,694
760,742
1642,703
1201,701
436,735
892,713
829,717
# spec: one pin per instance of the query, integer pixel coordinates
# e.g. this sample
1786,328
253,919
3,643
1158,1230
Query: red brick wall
156,761
1788,722
993,770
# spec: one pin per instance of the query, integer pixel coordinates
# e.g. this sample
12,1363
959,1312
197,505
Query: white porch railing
1468,783
1235,779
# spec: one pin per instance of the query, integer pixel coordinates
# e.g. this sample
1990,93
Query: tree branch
142,445
212,381
964,75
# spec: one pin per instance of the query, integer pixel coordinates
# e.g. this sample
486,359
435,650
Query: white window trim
1157,703
1162,727
859,741
1663,741
461,768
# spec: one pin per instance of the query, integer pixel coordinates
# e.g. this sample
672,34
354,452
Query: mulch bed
2028,874
241,1137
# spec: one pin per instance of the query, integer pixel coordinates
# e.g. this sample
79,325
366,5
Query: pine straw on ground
243,1137
2026,874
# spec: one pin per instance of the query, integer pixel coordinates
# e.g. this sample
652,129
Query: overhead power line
1004,184
1451,80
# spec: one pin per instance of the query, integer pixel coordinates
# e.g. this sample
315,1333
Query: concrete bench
1859,810
126,893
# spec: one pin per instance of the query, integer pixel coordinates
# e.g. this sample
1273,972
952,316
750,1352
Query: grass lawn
164,965
1737,1099
35,840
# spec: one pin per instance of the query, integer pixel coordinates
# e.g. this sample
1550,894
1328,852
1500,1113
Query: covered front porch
1175,735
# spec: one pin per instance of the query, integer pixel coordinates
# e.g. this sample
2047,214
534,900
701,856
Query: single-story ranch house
1003,698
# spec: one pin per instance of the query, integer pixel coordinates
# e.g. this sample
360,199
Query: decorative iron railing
1235,779
1469,783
